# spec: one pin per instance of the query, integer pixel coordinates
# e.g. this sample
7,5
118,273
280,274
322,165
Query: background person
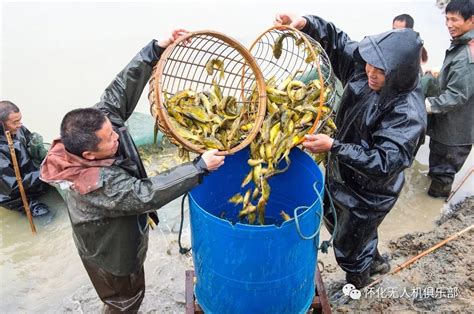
451,111
406,21
403,21
29,152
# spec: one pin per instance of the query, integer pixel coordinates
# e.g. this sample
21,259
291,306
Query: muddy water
44,273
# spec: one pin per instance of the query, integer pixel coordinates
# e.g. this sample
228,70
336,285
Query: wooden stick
460,184
414,259
19,181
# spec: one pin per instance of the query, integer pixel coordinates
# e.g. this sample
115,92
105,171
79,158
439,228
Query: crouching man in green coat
108,198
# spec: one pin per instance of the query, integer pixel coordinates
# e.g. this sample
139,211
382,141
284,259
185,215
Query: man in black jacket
381,121
29,152
109,197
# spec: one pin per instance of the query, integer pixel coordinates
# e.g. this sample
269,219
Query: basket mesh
293,61
183,67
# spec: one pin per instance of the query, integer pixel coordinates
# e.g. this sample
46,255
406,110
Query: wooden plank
320,303
316,303
323,297
315,306
189,292
197,308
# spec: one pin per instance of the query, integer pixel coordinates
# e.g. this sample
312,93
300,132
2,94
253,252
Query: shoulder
408,108
413,107
358,81
470,50
464,54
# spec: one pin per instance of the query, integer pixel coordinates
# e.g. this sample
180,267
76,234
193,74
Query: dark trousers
120,294
445,161
14,201
356,238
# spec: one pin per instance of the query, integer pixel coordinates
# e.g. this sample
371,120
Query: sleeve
122,95
122,194
458,90
35,147
395,143
337,44
429,85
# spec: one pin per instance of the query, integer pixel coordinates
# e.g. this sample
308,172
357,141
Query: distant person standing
29,152
451,112
403,21
406,21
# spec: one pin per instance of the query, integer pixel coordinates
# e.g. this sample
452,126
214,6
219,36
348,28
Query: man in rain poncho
381,123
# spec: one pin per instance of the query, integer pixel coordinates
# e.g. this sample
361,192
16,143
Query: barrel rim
285,224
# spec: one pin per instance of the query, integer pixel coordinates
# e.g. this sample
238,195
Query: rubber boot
438,189
38,209
379,265
359,280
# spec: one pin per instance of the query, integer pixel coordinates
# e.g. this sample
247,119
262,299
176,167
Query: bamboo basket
182,66
293,60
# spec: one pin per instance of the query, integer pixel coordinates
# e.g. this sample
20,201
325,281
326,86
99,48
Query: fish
278,45
284,215
215,64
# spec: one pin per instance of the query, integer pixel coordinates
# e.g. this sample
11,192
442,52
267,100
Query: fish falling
211,120
292,108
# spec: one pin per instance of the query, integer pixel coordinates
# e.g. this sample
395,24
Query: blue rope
320,215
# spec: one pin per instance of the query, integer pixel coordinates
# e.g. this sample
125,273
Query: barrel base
320,303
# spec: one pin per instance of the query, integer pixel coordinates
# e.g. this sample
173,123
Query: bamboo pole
414,259
460,184
19,181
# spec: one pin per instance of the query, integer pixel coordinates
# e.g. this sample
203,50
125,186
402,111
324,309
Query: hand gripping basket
302,57
182,66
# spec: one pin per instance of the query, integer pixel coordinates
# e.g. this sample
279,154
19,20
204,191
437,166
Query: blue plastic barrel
243,268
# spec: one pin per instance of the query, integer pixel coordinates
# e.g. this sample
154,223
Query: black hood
398,53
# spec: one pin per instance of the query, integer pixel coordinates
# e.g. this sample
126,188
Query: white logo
351,291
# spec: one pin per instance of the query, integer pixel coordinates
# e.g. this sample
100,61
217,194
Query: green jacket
108,203
452,118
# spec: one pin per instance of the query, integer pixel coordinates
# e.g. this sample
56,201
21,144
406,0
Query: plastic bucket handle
297,223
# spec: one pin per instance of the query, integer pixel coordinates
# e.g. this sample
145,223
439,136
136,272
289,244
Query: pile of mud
441,281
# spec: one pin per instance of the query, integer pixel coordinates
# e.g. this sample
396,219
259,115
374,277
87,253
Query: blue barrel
243,268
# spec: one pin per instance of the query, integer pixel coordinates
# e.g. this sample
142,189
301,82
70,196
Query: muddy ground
442,281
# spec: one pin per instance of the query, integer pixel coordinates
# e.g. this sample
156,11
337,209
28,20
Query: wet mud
442,281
